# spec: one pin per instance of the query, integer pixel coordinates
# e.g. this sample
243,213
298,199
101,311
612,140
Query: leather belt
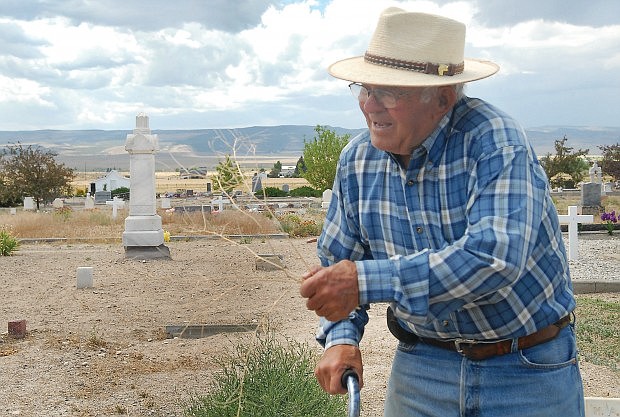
475,349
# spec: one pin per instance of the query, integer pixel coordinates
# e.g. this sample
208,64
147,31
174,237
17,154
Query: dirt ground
103,351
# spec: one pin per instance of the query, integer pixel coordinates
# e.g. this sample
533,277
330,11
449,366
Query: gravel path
599,257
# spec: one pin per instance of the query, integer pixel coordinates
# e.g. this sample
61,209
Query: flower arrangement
610,220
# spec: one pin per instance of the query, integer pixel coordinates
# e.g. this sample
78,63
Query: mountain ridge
95,149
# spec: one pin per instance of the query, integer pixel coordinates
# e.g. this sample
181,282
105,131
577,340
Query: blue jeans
541,381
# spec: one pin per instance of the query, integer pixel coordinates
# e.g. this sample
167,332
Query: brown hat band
423,67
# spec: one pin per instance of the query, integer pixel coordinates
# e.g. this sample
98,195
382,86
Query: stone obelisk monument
143,237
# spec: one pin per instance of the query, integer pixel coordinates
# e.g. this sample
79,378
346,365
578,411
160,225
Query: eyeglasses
386,98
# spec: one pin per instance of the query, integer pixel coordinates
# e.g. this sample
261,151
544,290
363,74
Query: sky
198,64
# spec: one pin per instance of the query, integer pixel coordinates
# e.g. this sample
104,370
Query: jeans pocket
556,353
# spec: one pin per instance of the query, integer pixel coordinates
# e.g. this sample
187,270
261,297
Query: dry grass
99,224
562,202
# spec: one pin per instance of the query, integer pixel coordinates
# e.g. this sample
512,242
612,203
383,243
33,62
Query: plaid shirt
465,243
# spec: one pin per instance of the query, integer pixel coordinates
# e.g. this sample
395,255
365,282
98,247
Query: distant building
111,181
287,171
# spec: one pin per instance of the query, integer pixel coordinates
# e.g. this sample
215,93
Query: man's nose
372,105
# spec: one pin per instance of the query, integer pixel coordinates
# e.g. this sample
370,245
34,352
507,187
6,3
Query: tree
32,171
566,168
300,168
228,175
321,157
610,164
275,171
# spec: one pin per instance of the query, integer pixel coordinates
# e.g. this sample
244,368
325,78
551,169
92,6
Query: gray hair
428,93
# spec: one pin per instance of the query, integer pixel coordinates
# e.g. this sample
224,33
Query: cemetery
115,307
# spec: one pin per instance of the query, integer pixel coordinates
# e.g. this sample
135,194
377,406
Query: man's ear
446,98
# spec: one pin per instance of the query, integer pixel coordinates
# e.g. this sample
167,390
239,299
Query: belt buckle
459,342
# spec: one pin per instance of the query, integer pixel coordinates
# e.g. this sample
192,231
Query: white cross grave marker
220,201
116,203
571,219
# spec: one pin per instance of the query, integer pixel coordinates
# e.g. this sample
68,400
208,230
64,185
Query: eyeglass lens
386,98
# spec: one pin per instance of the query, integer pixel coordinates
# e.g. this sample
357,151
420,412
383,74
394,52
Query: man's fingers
313,270
307,288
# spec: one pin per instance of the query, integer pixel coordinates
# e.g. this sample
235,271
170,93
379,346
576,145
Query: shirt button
445,323
410,182
419,229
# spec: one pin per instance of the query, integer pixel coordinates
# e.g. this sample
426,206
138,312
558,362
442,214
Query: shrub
268,379
305,191
63,213
297,227
121,192
8,244
271,192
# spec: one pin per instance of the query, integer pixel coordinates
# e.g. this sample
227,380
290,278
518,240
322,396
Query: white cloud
259,62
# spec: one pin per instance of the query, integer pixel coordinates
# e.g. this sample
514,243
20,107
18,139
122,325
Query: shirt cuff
374,281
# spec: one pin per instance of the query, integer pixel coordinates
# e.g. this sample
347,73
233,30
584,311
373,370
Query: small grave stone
28,203
85,277
197,331
102,196
166,203
257,183
327,198
591,198
602,407
573,219
17,329
269,262
13,211
286,188
89,202
191,209
58,203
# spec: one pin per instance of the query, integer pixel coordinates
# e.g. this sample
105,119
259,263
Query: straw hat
414,49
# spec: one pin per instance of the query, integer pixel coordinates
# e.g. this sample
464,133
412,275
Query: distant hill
95,150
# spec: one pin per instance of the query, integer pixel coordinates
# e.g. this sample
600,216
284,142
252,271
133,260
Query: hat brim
357,70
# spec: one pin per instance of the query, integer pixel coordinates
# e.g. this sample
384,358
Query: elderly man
442,210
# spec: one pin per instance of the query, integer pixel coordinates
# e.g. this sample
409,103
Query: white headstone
116,203
13,211
572,219
596,175
143,227
602,407
28,203
58,203
89,202
85,277
327,198
165,203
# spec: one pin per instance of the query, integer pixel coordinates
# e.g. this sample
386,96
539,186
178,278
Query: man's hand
332,365
332,292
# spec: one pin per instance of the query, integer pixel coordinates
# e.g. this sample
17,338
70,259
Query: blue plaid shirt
465,242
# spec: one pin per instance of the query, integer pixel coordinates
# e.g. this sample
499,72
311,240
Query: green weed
8,243
267,379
